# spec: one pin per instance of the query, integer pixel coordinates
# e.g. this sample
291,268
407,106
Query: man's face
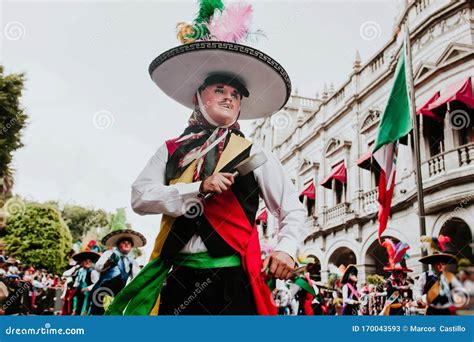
222,103
439,267
87,263
399,275
125,246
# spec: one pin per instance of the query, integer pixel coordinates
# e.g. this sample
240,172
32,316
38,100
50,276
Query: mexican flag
395,123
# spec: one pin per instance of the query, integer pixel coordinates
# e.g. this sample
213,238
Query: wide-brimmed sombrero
351,269
437,247
113,238
439,257
86,255
397,253
89,250
209,52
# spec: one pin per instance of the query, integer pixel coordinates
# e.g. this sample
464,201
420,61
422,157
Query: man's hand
217,183
280,264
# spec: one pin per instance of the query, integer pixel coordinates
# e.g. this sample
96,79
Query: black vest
431,279
245,189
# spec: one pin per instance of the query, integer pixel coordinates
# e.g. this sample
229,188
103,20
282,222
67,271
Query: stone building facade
314,137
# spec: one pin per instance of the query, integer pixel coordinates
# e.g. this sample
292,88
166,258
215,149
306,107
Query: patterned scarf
201,141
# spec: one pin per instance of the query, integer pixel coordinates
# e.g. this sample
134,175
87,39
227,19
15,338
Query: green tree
80,220
38,236
118,220
12,121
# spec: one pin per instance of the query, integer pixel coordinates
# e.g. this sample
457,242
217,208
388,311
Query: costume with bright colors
433,288
397,287
208,252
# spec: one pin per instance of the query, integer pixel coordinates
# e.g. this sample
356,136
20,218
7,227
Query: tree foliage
80,220
12,118
39,237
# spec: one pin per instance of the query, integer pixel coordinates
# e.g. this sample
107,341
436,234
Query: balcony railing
370,201
451,160
466,154
436,165
336,213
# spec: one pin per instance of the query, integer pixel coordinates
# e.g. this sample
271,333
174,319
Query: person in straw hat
350,294
434,289
213,242
116,266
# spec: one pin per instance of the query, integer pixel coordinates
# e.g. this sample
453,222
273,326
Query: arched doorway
342,256
461,238
376,257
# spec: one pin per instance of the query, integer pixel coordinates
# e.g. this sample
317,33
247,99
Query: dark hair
125,239
232,81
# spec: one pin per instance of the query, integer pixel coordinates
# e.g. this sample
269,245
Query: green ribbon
139,297
204,260
303,283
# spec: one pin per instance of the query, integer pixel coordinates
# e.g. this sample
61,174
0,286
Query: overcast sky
95,117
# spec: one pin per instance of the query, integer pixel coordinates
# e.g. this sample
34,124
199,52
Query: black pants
350,310
216,291
436,312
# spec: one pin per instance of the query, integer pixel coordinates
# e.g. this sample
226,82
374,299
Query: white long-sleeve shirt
418,290
99,265
150,195
347,295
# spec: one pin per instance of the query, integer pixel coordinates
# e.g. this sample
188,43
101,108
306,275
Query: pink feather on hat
390,247
232,24
442,241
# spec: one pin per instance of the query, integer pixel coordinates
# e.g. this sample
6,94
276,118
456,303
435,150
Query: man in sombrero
208,250
434,288
116,266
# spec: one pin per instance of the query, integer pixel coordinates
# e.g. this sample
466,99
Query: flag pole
416,138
